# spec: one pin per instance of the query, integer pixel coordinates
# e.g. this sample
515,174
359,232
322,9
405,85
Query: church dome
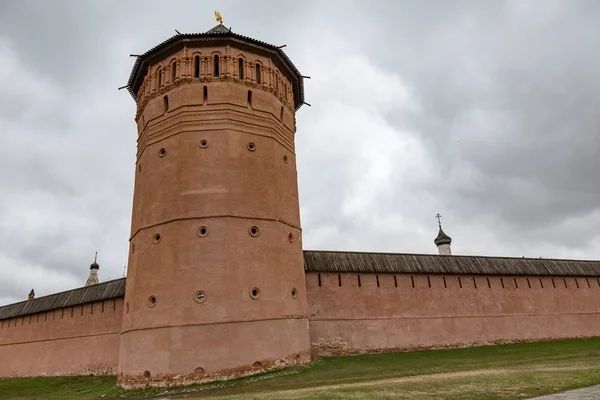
442,238
94,265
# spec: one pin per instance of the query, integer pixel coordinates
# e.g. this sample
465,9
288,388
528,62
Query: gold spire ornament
218,17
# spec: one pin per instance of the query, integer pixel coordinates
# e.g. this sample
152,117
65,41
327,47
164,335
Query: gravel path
589,393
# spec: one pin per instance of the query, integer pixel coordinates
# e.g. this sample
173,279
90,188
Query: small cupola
93,277
442,241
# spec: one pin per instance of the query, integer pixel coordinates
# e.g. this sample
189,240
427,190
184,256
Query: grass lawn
492,372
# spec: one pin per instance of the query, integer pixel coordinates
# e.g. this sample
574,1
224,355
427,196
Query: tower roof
442,238
217,35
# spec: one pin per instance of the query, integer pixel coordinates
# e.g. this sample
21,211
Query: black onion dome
442,238
94,265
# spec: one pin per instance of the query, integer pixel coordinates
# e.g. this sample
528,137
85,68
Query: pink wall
407,311
75,340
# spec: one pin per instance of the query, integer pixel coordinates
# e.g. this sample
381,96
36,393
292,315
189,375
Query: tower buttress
215,278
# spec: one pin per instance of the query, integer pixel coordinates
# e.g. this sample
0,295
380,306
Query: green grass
498,372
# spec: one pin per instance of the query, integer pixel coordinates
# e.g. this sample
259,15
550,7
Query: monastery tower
215,283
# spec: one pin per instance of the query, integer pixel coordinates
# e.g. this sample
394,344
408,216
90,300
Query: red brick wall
68,341
407,311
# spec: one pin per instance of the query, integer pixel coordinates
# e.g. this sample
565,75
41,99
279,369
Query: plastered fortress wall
77,340
349,313
359,313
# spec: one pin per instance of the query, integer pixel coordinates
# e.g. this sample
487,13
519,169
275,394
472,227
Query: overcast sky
487,112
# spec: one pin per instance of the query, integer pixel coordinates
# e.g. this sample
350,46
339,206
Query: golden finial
218,17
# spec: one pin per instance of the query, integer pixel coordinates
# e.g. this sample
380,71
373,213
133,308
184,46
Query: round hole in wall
199,370
251,146
151,301
254,232
291,237
162,152
156,238
285,159
202,231
199,297
146,374
294,293
203,143
255,293
257,364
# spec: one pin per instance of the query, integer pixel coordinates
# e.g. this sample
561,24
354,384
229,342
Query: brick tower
215,284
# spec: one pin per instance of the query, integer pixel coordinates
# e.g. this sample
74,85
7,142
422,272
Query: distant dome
94,265
442,238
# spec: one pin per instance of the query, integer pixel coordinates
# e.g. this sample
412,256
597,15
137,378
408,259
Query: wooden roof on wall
344,262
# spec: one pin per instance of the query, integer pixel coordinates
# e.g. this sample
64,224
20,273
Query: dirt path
416,378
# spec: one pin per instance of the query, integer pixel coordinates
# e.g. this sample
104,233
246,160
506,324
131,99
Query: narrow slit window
542,283
166,103
258,78
474,283
173,71
516,284
445,284
281,114
565,281
205,94
428,281
319,276
160,75
216,66
241,68
197,67
576,283
502,282
528,284
459,282
358,276
250,98
588,282
489,284
395,281
339,280
377,278
412,279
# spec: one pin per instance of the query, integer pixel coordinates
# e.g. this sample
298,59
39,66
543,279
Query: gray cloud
484,111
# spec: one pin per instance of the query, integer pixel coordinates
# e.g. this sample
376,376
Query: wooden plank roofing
86,294
345,262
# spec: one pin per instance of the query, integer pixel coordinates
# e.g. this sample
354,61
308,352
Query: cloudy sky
487,112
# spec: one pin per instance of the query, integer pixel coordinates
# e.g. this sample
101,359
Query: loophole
199,297
139,167
156,238
146,374
162,152
294,293
291,237
254,231
255,293
151,301
285,159
203,143
202,231
133,247
251,146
